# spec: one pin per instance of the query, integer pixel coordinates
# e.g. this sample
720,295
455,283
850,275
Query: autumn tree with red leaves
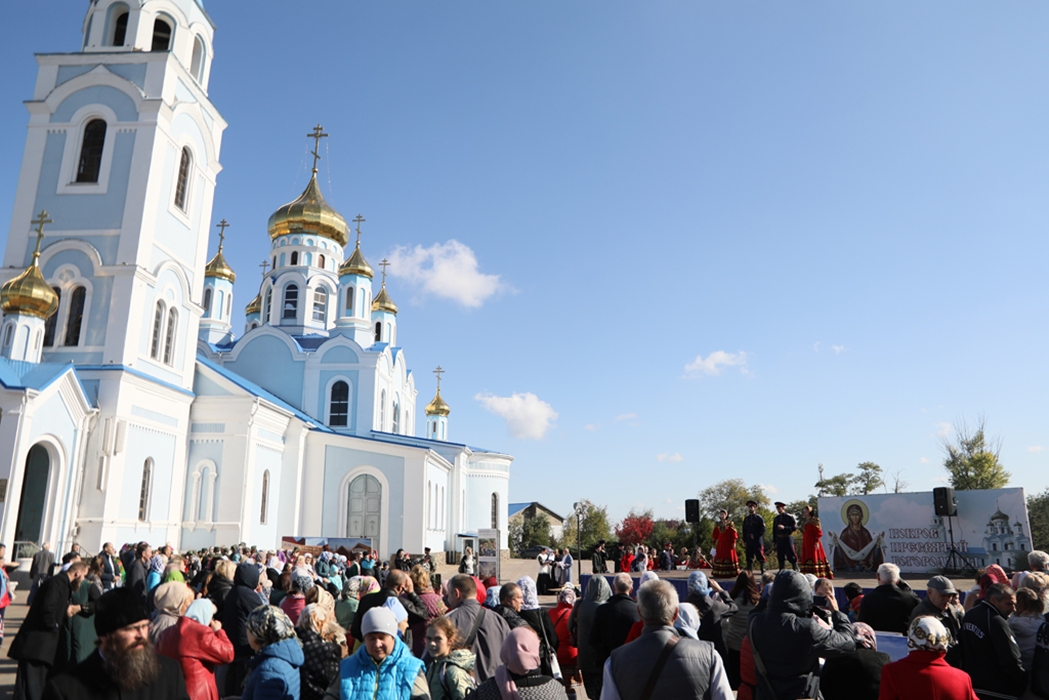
635,528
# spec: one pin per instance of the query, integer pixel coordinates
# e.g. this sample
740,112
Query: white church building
129,410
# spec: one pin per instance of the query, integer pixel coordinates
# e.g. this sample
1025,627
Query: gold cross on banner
317,135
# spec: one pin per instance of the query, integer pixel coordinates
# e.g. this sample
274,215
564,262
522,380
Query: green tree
1038,514
732,495
837,485
868,479
972,461
594,527
528,532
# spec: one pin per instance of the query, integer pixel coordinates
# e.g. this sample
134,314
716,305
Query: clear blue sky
839,208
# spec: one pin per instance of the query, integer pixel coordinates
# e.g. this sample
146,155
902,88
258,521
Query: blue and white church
129,409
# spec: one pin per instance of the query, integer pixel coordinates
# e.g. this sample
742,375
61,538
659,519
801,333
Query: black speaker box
692,510
944,500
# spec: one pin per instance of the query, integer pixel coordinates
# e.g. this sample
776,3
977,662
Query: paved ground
512,570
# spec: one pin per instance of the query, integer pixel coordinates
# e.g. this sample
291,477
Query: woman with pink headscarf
519,678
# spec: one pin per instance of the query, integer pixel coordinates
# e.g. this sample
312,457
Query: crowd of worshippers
257,625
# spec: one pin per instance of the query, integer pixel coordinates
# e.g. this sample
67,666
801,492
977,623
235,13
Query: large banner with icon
861,532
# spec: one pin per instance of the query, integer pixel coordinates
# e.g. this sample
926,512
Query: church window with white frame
120,16
396,415
268,301
339,405
382,410
169,340
349,301
265,496
146,490
495,511
158,330
207,300
162,30
91,145
291,302
320,304
182,181
196,64
75,320
51,324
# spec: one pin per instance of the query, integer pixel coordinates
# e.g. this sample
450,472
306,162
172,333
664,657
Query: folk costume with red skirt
726,563
813,558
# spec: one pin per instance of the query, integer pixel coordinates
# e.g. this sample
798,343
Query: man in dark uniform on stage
754,536
783,527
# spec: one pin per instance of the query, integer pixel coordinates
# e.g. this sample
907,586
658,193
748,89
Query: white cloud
816,347
447,270
664,457
1035,448
768,488
713,363
591,427
626,416
943,429
527,416
837,349
924,460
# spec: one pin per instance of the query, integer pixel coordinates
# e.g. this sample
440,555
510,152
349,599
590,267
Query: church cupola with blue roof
307,240
437,413
355,293
384,313
28,303
218,295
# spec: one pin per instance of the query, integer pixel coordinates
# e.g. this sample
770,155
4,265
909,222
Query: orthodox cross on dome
40,222
222,226
438,372
359,220
384,264
265,267
316,135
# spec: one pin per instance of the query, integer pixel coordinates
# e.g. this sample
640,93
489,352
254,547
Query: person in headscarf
640,562
200,646
434,604
491,599
540,623
156,571
687,622
714,605
316,629
278,656
646,577
924,673
294,603
321,597
857,675
171,601
567,652
346,607
580,622
519,677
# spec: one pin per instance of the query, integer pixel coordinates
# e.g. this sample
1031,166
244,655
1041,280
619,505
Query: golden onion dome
356,265
383,302
438,407
310,213
29,293
254,306
218,267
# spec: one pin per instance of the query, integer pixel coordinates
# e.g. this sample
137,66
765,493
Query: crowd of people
260,625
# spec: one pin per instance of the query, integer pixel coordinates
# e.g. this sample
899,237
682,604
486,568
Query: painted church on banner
129,410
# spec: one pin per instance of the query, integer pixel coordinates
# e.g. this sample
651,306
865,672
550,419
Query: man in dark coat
36,644
124,666
40,569
888,607
613,620
511,600
482,631
783,527
788,641
398,585
597,559
242,598
754,536
989,652
110,570
139,569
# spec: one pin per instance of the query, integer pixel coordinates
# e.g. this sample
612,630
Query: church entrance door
365,515
34,495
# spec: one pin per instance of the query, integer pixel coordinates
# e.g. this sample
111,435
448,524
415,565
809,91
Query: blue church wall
266,459
171,231
52,418
326,377
201,451
134,72
340,355
340,461
88,212
67,73
143,444
268,362
121,104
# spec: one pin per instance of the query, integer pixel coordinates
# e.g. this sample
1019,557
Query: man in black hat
783,527
125,664
754,536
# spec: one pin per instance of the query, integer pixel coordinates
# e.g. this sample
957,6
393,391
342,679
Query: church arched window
229,306
291,302
495,511
382,410
76,316
91,151
118,30
320,304
196,65
339,406
51,324
161,35
169,340
182,183
266,305
396,415
378,331
145,490
349,301
320,261
158,330
8,334
295,257
207,300
265,496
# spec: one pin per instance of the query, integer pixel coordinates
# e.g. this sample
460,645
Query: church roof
16,374
218,267
310,213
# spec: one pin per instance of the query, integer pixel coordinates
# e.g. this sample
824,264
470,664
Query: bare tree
898,484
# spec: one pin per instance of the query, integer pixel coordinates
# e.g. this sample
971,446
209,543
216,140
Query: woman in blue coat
278,657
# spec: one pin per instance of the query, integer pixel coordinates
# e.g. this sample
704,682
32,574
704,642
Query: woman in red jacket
198,643
813,558
924,674
567,652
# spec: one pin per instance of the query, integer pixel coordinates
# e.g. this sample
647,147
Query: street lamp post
579,508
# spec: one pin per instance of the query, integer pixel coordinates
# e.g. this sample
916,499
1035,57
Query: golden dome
383,302
438,407
310,213
356,265
255,306
218,267
29,293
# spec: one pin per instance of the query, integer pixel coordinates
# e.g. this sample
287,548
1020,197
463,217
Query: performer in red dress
726,563
813,558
